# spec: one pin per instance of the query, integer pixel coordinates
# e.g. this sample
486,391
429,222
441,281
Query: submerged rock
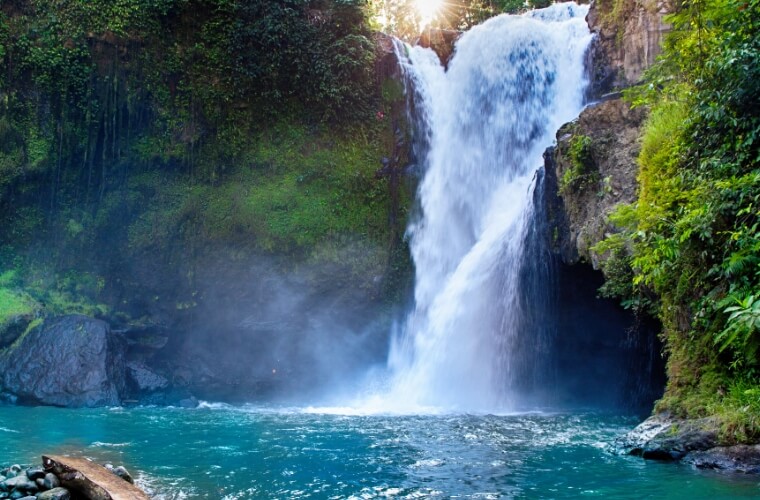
72,361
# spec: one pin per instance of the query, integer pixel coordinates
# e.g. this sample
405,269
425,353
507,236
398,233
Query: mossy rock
17,311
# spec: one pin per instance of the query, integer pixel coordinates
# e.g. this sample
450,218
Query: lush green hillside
694,231
139,137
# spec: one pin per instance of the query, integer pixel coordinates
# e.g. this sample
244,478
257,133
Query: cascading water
484,125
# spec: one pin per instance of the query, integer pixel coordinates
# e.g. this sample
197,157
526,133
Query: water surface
248,452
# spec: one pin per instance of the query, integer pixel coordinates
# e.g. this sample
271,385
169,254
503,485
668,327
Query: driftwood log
91,480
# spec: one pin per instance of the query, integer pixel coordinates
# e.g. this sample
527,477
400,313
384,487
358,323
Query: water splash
481,129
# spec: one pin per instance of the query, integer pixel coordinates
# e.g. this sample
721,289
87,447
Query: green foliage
582,171
695,239
14,304
305,188
742,326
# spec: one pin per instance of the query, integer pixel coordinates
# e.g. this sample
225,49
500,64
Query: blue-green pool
249,452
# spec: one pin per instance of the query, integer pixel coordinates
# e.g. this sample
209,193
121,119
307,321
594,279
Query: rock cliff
629,35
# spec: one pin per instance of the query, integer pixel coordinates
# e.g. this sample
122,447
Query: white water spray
485,123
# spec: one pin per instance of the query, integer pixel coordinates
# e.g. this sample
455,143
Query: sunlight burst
427,9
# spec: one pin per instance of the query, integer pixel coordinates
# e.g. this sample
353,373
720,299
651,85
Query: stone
744,459
41,484
35,473
20,483
123,473
55,494
145,378
51,481
71,361
661,437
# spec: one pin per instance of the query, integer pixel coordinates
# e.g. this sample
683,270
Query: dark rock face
72,361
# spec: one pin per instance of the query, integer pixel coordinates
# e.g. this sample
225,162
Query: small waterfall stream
483,126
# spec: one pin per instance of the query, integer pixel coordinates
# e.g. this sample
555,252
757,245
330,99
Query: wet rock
51,481
35,473
675,447
20,483
72,361
14,470
55,494
634,442
123,473
663,438
743,459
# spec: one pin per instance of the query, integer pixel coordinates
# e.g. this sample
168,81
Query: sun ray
427,9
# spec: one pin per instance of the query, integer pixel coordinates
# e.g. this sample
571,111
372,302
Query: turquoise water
230,453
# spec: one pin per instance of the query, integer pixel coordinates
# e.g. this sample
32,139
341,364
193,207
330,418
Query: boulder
55,494
19,483
51,481
661,437
72,361
35,473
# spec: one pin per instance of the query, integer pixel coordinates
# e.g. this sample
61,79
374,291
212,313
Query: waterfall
481,128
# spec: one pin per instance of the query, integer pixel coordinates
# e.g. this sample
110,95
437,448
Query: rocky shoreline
695,442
